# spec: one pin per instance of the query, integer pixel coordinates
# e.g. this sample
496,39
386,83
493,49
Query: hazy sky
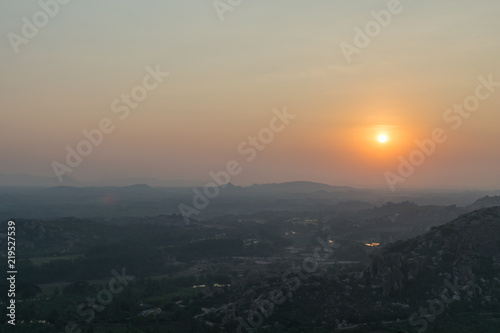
227,76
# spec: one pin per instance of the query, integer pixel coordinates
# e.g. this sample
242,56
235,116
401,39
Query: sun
382,138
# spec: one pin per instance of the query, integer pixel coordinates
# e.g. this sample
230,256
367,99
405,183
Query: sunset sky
227,76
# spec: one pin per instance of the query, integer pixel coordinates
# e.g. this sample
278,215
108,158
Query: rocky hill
466,249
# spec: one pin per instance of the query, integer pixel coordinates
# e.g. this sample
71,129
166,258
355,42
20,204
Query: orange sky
227,76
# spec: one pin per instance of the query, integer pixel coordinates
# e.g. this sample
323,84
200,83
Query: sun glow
382,138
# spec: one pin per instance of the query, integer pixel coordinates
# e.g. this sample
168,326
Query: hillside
467,248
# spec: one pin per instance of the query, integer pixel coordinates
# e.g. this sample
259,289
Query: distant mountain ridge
27,180
36,181
298,186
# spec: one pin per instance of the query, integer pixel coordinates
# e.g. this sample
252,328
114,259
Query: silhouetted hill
153,182
298,187
487,201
